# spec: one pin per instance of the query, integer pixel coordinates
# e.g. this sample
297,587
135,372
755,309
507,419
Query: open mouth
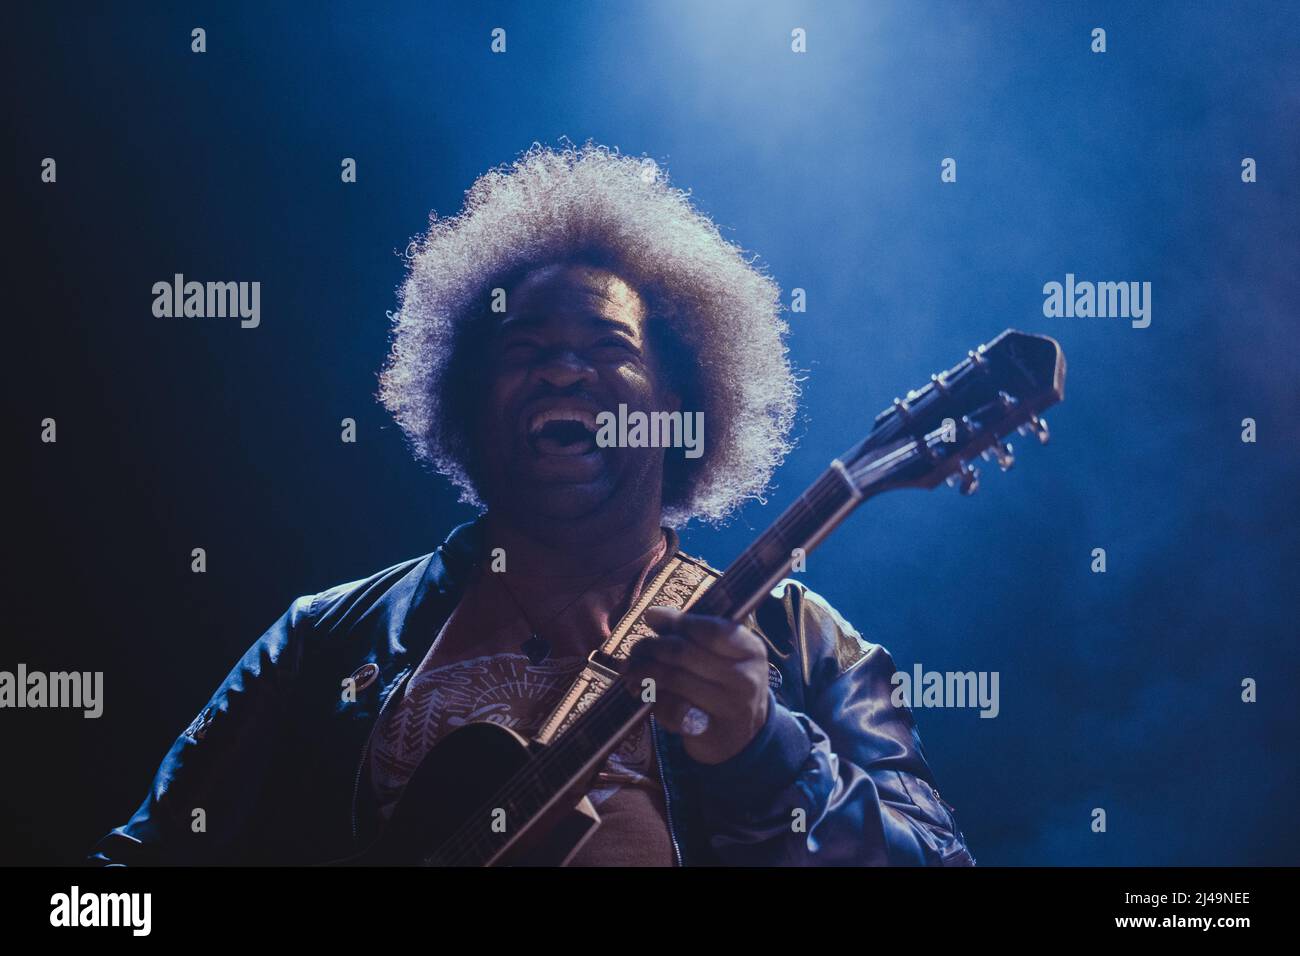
562,432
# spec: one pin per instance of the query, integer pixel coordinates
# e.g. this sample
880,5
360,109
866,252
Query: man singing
573,282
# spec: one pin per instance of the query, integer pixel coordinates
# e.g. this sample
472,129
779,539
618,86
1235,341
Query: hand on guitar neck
707,663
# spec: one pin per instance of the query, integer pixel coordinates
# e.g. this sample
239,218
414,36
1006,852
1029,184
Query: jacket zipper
365,751
663,781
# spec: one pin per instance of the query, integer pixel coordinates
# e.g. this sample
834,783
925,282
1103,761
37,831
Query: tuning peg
966,479
1001,453
1038,427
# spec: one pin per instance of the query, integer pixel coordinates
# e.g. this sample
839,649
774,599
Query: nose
563,368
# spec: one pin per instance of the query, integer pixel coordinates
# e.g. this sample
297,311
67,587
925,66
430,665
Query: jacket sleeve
851,761
205,789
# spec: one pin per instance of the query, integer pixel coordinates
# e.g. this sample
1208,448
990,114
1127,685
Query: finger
676,682
672,711
717,634
673,651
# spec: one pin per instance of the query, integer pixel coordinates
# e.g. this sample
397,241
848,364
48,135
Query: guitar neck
801,527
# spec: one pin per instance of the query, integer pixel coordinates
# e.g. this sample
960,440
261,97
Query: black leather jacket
273,766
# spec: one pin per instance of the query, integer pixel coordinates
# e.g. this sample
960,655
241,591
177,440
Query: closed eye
618,343
518,347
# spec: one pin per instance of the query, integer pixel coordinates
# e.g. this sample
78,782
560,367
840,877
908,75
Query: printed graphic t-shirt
476,671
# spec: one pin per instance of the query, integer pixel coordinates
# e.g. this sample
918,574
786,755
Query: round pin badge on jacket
364,676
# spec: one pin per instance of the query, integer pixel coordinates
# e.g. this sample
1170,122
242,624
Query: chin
567,502
559,488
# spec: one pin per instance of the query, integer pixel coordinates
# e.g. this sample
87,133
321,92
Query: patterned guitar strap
679,584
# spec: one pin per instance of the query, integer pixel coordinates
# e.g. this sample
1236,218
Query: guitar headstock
932,434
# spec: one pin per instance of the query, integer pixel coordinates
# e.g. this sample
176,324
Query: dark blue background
1118,691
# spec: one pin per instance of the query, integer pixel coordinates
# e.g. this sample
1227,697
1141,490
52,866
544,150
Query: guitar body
452,789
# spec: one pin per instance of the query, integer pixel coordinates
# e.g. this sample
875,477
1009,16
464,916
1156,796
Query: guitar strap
679,584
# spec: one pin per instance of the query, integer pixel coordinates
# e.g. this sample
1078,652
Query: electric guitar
482,773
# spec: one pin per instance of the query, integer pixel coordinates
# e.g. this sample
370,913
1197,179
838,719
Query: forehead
574,292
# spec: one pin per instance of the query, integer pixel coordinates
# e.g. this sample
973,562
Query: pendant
537,648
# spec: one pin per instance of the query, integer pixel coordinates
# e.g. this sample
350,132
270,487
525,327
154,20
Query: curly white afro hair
719,314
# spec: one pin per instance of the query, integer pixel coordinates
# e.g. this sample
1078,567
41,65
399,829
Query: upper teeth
584,418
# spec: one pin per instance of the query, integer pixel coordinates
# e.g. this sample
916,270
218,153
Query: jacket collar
459,553
446,575
455,558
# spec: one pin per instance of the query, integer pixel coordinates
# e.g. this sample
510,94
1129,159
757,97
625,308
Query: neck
572,549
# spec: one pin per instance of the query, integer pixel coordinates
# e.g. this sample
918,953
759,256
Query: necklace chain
537,647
